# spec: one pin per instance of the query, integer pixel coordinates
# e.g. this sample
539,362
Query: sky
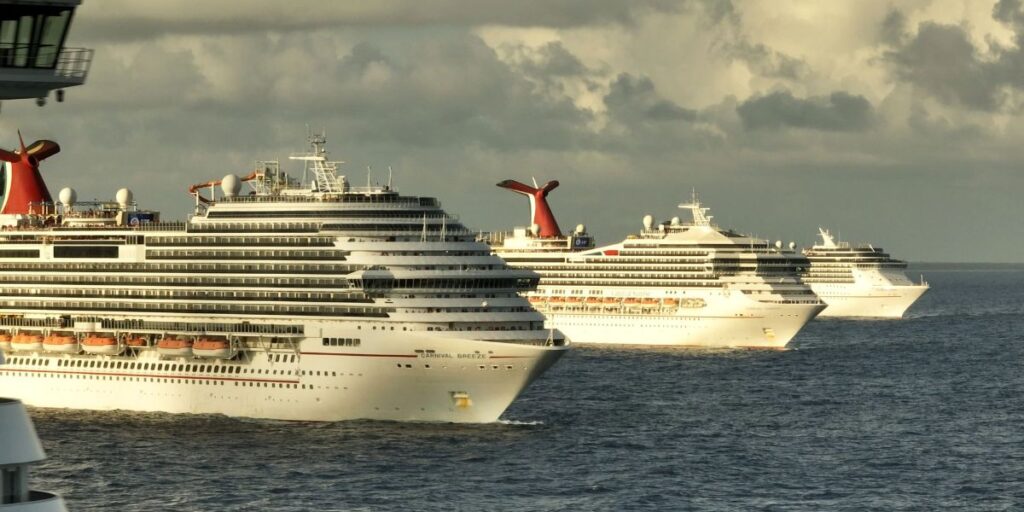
899,123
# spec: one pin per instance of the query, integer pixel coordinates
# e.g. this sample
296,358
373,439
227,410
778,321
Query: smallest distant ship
860,281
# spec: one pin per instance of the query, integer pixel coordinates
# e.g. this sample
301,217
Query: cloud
761,98
942,60
126,20
839,111
633,99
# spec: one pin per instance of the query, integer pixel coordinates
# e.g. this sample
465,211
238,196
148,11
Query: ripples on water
921,414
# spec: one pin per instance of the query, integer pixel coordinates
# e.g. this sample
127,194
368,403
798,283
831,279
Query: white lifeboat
212,348
174,347
27,343
104,345
61,344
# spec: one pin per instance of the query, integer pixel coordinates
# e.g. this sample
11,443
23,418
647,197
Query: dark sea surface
926,413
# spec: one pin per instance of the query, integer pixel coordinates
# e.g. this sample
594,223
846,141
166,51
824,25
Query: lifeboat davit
105,345
27,343
212,348
61,344
5,342
174,347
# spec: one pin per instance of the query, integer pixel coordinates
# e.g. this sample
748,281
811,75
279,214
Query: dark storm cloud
633,99
942,60
132,20
767,62
839,111
550,60
894,27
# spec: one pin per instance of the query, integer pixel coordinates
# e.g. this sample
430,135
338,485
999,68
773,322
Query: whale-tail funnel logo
23,185
539,209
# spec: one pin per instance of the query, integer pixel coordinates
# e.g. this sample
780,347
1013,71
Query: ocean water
926,413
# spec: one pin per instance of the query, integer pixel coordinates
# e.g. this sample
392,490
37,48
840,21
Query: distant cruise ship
296,300
859,281
674,283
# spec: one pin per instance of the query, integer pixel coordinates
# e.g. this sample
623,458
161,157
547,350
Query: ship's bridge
33,58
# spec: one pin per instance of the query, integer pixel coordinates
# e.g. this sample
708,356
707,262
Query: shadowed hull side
460,381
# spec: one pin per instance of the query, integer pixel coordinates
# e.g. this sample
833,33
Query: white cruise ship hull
858,301
764,326
429,379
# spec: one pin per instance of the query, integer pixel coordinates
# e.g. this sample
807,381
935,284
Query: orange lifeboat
97,344
671,302
535,299
136,341
174,347
556,300
611,300
213,348
61,344
574,300
649,302
27,343
5,342
631,301
593,300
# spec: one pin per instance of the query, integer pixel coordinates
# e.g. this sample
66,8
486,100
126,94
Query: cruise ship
673,283
295,299
859,281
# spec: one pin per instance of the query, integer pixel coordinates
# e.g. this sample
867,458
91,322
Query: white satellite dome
778,244
648,221
580,229
676,221
67,196
792,246
123,197
230,185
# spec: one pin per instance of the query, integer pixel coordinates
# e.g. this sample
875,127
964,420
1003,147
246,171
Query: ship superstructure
860,281
300,299
673,283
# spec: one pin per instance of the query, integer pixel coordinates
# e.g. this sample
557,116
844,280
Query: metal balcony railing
65,62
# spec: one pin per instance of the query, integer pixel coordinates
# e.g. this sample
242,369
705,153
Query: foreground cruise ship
295,301
673,283
859,281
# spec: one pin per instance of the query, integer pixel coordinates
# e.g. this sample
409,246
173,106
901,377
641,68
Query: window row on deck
63,305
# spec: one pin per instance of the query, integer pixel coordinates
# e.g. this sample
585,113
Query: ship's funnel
540,212
22,183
